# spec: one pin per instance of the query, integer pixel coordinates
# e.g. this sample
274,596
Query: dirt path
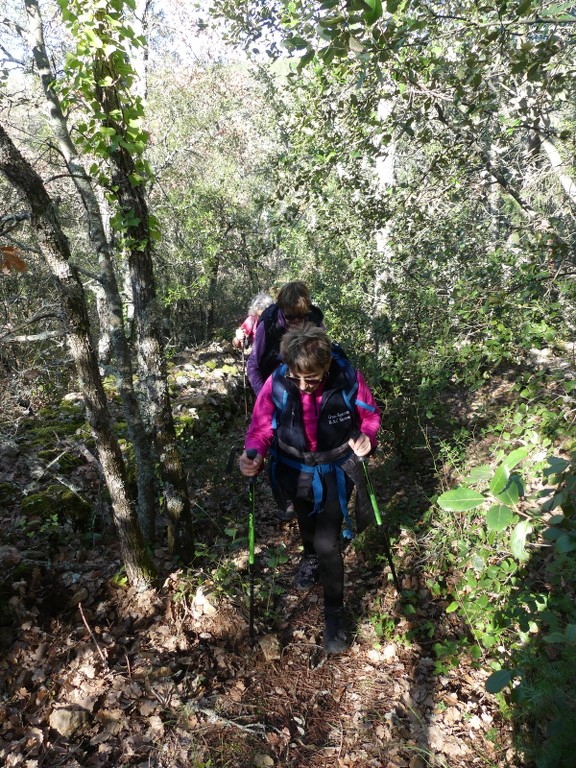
93,674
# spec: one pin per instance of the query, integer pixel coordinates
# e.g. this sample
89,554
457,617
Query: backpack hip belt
316,464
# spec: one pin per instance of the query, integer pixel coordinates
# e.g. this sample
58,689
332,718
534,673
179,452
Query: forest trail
94,674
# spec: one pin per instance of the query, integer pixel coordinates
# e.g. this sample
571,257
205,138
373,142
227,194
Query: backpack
273,336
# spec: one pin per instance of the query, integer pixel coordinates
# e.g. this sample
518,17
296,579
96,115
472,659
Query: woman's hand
239,338
250,467
361,445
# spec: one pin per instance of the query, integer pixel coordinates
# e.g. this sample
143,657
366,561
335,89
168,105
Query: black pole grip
251,453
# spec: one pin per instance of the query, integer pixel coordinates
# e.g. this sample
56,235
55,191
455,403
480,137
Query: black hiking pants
321,535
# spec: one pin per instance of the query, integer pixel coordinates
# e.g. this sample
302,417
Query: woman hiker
244,336
292,307
313,417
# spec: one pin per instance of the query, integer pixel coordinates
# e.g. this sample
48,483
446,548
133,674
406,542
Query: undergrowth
505,538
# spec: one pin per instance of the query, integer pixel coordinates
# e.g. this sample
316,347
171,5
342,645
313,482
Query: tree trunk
213,269
113,325
148,322
56,251
152,370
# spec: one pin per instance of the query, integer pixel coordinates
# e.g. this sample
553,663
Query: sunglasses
308,380
294,318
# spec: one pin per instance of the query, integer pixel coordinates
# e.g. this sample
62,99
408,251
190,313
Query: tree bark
56,252
110,308
148,323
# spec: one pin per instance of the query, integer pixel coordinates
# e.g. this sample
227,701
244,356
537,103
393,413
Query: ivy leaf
499,517
498,680
460,500
518,540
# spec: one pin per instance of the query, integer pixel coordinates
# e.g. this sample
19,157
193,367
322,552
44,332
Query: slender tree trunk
148,323
110,303
251,266
152,369
213,269
559,167
56,251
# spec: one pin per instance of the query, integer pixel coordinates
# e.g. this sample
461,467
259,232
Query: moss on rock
55,500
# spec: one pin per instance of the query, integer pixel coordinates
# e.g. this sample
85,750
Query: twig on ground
92,635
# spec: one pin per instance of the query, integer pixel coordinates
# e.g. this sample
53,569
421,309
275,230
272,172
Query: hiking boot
335,640
286,514
307,574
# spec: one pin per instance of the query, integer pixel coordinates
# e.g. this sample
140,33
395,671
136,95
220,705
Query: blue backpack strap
279,394
350,373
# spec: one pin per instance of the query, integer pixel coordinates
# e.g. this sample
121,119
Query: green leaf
555,466
460,500
515,457
518,540
375,11
500,479
552,534
512,492
565,544
355,44
524,7
296,42
499,517
560,12
502,474
554,637
479,474
498,680
452,607
308,56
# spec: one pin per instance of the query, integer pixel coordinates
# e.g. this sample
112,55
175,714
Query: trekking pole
251,454
377,515
242,352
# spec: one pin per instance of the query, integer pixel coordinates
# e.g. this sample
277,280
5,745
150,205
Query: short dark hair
306,348
294,298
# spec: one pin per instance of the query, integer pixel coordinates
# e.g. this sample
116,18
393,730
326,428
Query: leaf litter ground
94,674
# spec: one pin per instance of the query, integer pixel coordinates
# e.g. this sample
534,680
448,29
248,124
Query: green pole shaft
378,516
372,495
251,532
251,454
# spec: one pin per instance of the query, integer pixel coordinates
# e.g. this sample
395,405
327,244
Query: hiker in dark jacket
291,309
314,416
